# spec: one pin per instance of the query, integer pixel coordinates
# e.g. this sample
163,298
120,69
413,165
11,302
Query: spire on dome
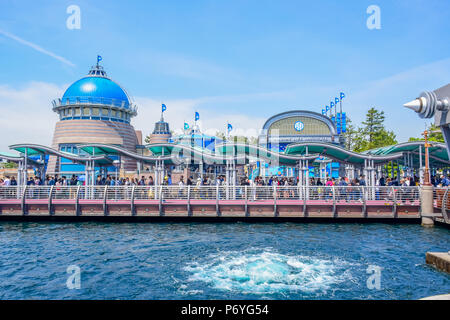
97,70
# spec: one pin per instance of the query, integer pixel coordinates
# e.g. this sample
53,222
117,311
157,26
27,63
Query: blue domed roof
96,89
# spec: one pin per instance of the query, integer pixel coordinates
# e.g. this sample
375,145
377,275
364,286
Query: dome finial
97,70
99,58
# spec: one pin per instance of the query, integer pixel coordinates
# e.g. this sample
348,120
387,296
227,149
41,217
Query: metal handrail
335,195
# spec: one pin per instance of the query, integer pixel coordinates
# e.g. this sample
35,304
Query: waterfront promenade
218,202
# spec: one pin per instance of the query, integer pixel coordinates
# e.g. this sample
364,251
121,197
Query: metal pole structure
19,173
25,175
307,174
427,190
427,160
372,173
86,178
335,114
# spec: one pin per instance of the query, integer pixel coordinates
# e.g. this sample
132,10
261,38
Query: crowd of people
74,180
8,181
345,189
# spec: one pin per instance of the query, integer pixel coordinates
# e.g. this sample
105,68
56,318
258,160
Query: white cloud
36,47
26,114
183,110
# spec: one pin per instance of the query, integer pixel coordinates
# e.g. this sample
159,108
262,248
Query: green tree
220,135
373,134
434,134
238,139
10,165
350,135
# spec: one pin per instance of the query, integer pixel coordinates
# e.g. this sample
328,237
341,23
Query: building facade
94,109
297,126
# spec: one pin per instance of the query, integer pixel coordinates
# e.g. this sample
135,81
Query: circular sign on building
298,126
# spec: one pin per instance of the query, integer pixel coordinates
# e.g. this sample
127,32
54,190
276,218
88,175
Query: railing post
305,209
364,199
394,207
275,201
246,201
77,200
133,209
105,207
334,201
444,206
160,201
218,213
24,195
189,201
50,196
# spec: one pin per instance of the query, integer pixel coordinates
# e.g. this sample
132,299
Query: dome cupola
96,97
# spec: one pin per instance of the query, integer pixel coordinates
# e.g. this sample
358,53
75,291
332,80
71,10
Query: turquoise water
219,261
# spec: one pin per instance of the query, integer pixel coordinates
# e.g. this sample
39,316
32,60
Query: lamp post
427,181
426,203
116,164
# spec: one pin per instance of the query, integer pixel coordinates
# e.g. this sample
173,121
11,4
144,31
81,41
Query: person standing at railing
292,190
73,182
445,181
142,191
342,186
329,189
181,188
362,180
382,181
7,181
219,183
197,188
402,192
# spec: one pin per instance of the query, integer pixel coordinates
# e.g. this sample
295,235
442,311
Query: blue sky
238,61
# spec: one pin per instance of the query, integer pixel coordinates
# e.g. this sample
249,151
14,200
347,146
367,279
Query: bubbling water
266,272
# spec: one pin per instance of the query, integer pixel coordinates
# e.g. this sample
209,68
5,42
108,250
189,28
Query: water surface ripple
219,261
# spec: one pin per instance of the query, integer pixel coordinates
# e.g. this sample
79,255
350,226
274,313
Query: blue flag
331,105
186,126
99,58
197,116
163,107
342,95
336,100
230,127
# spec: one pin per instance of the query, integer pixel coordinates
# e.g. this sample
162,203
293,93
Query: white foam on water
265,272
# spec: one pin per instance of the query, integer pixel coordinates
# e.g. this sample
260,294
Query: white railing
319,194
